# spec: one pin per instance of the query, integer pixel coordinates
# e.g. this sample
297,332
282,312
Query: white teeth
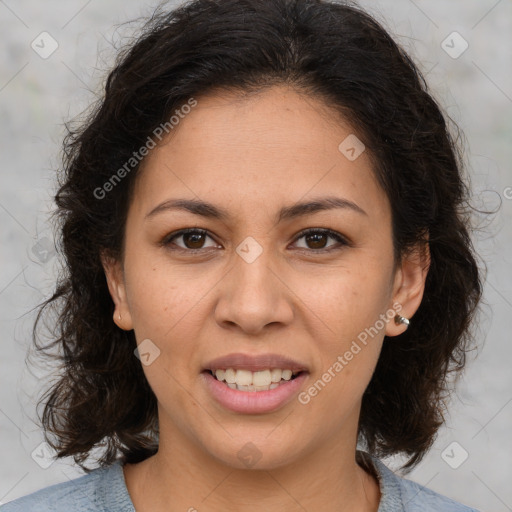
261,378
287,374
243,377
230,376
276,374
274,385
246,380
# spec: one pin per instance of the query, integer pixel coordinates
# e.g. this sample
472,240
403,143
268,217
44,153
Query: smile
245,380
253,392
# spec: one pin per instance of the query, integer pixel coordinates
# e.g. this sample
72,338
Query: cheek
169,304
347,300
347,311
162,297
164,304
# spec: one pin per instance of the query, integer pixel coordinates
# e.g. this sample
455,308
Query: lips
253,402
254,399
255,363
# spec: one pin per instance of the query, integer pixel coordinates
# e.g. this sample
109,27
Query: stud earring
119,315
402,320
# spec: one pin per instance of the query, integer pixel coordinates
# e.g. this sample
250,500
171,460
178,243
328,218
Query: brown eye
193,239
316,239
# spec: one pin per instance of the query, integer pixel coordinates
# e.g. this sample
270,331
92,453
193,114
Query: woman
268,265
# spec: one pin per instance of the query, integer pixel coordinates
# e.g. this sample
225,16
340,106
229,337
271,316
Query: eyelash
167,241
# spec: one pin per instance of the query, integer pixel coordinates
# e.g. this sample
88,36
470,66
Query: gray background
38,95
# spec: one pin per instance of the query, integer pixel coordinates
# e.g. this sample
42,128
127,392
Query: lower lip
253,402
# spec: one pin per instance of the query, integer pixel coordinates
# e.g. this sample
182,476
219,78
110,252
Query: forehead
277,145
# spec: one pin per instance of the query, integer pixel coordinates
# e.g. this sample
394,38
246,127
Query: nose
254,295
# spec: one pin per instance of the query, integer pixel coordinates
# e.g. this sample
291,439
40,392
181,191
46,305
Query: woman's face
253,285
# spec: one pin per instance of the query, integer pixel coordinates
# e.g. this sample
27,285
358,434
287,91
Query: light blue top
104,489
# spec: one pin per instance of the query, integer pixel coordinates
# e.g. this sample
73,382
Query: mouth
257,396
254,383
257,381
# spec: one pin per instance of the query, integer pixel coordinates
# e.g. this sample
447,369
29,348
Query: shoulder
102,489
418,498
400,494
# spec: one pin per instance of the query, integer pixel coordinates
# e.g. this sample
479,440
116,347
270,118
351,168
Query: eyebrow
208,210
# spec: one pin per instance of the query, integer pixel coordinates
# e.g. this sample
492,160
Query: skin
252,156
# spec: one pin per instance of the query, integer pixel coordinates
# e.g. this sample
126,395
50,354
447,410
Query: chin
255,452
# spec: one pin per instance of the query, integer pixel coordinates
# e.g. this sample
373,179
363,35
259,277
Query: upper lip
255,363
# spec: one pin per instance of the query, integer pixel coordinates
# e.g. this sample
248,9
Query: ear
409,284
116,286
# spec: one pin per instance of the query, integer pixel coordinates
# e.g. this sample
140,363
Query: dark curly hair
330,51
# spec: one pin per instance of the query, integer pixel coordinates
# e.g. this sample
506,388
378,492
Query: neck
327,479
